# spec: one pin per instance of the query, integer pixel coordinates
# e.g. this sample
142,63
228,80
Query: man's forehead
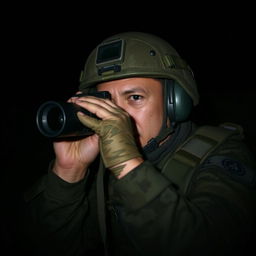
131,84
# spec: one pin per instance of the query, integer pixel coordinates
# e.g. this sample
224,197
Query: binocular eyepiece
56,119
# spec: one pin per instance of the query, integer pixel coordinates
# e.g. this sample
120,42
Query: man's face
142,99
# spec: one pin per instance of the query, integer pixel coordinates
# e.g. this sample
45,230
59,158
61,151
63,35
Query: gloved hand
117,143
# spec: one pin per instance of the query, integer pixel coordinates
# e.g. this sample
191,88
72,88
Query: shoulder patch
234,168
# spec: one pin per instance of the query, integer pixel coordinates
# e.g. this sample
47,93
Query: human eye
135,97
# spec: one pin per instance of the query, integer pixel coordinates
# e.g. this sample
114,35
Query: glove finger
103,108
90,122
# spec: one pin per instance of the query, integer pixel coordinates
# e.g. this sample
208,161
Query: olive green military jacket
153,210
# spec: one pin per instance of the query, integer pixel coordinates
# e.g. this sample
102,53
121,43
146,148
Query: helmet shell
143,55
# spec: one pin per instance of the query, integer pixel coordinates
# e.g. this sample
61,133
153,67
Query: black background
44,49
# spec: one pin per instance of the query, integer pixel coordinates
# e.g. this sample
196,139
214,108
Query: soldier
147,181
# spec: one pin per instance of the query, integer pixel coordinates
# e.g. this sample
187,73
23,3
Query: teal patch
234,168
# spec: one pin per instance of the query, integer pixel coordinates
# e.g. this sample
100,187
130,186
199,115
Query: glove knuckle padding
117,143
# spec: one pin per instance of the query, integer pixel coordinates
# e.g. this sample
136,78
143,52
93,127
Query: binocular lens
51,119
55,119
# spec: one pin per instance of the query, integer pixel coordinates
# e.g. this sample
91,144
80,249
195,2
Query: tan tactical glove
117,143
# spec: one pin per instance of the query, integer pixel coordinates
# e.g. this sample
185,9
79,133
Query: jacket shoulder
225,140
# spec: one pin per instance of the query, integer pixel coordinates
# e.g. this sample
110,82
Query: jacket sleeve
56,212
216,216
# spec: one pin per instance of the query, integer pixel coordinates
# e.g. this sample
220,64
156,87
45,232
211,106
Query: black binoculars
56,119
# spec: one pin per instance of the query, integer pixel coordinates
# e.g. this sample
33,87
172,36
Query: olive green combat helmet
137,54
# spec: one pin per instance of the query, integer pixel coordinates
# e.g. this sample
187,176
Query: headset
177,101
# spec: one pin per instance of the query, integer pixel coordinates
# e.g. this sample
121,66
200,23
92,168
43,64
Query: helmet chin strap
154,143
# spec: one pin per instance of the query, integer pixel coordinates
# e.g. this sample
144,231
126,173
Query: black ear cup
178,103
